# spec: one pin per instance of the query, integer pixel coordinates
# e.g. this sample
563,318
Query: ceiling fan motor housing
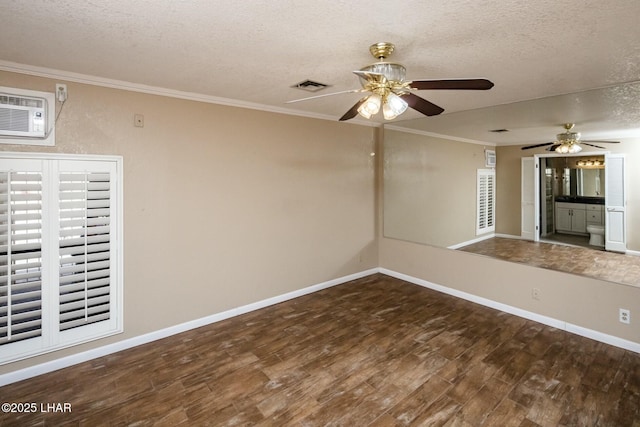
391,71
381,50
568,137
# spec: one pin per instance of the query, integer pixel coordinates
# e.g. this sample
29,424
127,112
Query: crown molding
438,135
51,73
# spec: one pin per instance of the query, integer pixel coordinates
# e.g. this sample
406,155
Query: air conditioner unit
490,158
27,117
23,116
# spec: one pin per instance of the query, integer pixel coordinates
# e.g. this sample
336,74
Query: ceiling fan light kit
388,90
568,142
569,148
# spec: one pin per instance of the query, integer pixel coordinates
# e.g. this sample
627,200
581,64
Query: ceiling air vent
310,86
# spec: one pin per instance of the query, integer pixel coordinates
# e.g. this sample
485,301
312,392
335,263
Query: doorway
571,218
572,200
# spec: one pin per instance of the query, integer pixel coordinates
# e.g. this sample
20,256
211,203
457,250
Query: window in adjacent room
486,198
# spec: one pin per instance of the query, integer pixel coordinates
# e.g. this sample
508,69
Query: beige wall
508,181
430,188
222,206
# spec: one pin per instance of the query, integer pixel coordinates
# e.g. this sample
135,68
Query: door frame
537,177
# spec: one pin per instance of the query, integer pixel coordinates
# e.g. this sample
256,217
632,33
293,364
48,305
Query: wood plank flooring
373,352
614,267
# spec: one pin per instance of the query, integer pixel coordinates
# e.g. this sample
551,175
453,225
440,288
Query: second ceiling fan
389,91
568,142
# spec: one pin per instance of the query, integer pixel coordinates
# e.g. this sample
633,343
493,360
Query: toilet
596,233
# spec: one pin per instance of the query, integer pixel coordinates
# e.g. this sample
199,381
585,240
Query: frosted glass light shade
371,106
393,106
569,149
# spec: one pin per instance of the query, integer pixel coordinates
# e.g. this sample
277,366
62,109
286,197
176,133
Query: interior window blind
486,201
20,255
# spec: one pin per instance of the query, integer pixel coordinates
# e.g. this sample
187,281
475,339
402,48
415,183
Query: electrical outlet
535,294
61,92
138,120
625,316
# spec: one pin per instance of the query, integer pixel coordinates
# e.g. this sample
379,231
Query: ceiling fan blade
537,145
422,105
325,94
583,141
592,145
466,84
353,111
553,147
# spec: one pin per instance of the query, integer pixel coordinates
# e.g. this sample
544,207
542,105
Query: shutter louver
20,256
482,203
490,203
85,258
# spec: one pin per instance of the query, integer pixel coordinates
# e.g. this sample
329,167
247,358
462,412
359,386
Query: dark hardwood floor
376,351
615,267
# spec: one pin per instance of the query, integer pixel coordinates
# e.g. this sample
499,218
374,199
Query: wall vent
310,86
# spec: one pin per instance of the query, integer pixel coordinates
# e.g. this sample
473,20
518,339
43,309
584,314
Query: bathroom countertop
581,199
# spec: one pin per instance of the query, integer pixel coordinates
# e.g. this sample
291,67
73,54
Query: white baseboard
67,361
509,236
634,253
64,362
558,324
469,242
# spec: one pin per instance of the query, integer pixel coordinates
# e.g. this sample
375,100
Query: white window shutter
20,255
84,248
60,254
485,221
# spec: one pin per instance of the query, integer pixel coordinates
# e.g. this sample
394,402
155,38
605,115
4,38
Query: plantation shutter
85,218
60,252
20,255
485,201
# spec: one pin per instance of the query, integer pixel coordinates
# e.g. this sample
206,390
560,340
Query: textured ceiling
611,113
253,51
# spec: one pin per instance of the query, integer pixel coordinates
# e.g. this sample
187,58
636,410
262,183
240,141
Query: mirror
430,167
589,182
581,176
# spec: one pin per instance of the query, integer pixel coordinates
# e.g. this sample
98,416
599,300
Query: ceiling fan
388,90
568,142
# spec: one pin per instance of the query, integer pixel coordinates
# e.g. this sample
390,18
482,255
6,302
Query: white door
615,204
528,199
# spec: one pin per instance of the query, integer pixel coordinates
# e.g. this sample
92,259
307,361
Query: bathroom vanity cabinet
574,217
595,214
571,217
